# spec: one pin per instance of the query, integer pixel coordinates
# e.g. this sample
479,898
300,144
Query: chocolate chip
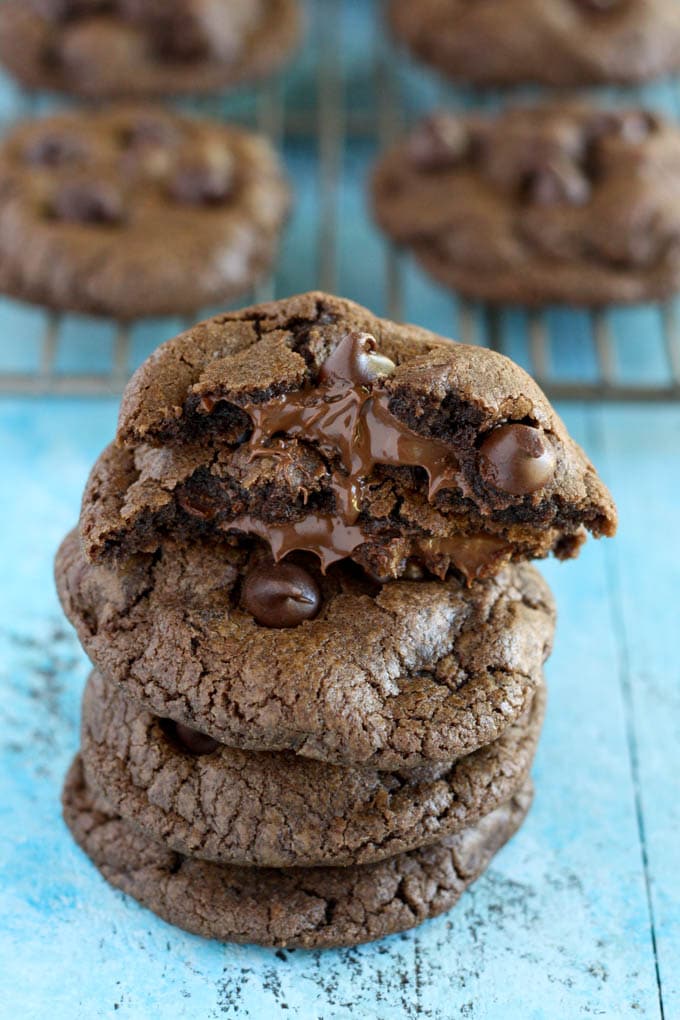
439,142
555,184
355,360
192,741
93,202
517,459
203,182
149,130
181,37
281,595
636,125
53,150
632,126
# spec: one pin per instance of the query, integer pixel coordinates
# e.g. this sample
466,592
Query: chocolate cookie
312,425
555,42
135,212
205,800
392,676
560,203
306,907
104,49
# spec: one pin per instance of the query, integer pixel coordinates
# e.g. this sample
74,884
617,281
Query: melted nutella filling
348,418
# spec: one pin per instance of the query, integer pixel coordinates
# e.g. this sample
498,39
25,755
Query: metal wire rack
317,114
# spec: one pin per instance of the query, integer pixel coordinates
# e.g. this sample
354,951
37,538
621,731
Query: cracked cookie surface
392,676
554,42
538,205
313,425
136,211
105,49
278,810
305,907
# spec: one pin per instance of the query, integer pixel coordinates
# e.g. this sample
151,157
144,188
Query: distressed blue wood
642,459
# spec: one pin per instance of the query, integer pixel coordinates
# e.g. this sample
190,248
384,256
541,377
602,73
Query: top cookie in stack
363,452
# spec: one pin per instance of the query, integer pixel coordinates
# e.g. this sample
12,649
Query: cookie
312,425
305,907
140,49
554,42
561,203
205,800
390,676
136,211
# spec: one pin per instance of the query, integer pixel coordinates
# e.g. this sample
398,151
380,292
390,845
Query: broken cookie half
315,427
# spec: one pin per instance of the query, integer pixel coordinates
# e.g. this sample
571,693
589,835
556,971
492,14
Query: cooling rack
349,93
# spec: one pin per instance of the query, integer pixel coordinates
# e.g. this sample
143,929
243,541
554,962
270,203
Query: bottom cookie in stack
295,907
280,850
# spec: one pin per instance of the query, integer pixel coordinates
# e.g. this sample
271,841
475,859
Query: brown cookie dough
554,42
538,205
105,49
305,907
136,211
392,676
217,803
315,426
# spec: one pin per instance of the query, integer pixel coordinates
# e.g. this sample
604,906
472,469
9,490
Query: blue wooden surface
578,916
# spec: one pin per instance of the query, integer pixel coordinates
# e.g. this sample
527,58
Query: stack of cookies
301,575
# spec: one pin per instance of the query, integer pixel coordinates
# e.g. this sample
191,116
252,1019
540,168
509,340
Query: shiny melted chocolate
347,415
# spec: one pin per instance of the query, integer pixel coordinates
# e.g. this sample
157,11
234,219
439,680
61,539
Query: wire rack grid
349,95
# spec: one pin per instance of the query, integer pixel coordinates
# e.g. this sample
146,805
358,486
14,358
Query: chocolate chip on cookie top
389,675
558,203
316,427
145,48
557,42
136,211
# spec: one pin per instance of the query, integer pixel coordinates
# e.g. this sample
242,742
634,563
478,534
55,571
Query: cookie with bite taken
311,534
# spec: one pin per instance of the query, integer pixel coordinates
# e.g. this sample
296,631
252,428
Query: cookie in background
561,203
136,211
550,42
134,49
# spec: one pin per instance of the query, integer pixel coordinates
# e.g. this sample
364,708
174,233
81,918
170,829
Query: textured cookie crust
561,203
279,810
185,470
139,49
390,676
136,211
305,907
554,42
